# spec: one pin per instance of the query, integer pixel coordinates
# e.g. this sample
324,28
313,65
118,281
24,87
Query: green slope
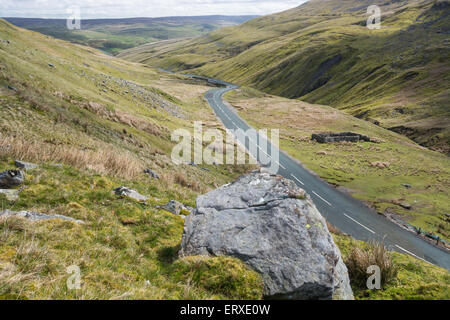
103,121
115,35
322,52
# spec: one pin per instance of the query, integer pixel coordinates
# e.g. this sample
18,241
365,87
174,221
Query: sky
90,9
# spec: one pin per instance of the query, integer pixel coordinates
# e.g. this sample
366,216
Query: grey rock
130,193
11,178
36,216
25,165
174,207
152,174
10,194
273,226
407,186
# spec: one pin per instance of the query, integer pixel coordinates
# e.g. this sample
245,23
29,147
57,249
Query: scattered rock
51,65
10,194
176,208
11,178
130,193
339,137
152,174
261,220
322,153
11,88
36,216
407,186
25,165
380,165
404,205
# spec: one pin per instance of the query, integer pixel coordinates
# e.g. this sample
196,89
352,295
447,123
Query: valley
321,52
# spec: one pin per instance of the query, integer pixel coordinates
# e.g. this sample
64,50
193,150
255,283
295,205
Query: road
349,215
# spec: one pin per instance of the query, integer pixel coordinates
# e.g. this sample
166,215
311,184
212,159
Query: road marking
297,179
280,165
410,253
359,223
322,199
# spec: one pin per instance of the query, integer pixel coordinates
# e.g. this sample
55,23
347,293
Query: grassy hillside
93,122
322,52
115,35
105,121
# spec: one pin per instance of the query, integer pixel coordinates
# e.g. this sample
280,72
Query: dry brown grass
374,254
104,161
180,178
333,229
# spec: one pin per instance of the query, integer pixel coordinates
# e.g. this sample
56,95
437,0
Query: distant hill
114,35
322,52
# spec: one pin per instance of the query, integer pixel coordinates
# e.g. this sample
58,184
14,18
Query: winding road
349,215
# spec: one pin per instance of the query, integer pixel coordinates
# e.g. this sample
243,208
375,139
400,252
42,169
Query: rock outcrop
11,178
36,216
272,226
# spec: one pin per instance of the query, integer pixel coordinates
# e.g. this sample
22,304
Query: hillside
92,123
115,35
322,52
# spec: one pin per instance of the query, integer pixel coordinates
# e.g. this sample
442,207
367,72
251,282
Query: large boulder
273,226
11,178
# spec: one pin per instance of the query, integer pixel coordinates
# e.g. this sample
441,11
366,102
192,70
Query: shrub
373,254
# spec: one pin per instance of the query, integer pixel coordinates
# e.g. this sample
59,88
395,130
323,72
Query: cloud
141,8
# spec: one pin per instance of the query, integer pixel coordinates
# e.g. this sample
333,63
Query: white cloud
142,8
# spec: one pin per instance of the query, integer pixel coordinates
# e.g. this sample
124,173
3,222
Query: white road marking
297,179
280,165
322,199
410,253
359,223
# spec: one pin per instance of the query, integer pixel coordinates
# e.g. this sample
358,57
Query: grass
374,254
322,52
118,260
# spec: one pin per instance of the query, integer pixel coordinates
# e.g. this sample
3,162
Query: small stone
174,207
130,193
36,216
152,174
407,186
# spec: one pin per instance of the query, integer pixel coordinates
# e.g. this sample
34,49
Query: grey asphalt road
343,211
